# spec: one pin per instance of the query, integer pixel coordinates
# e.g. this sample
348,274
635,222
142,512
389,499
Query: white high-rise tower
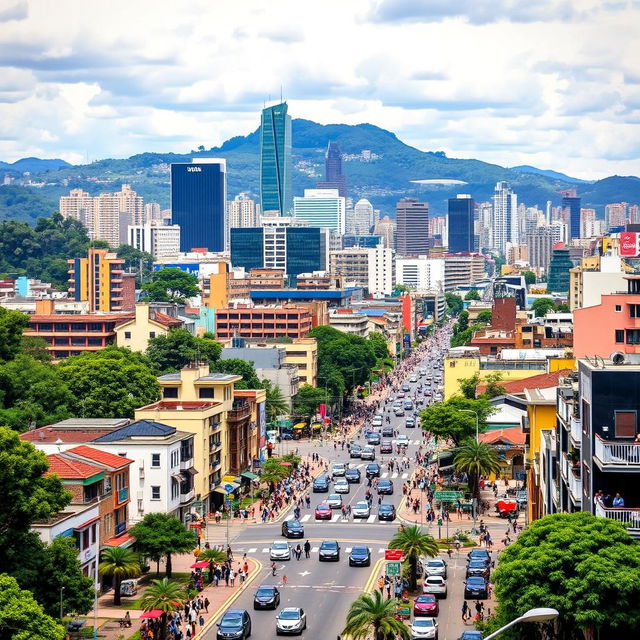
505,217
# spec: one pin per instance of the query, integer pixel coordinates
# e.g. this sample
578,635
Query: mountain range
377,164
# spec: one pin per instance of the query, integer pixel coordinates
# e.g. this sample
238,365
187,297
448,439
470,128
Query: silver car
435,585
334,500
436,567
280,551
338,469
341,486
291,620
361,510
424,628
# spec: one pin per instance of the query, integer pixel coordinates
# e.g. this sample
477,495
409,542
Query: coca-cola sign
629,245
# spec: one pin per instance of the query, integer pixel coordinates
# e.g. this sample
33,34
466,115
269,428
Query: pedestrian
273,568
202,621
465,611
381,585
307,550
284,580
206,604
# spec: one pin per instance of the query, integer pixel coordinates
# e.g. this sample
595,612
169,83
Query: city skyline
567,98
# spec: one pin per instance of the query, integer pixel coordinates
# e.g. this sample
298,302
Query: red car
323,512
426,605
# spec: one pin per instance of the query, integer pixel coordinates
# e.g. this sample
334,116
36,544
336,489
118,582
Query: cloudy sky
553,83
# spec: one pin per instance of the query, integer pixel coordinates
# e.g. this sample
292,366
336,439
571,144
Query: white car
338,469
361,510
435,567
377,420
368,453
402,440
413,379
334,500
424,628
291,620
280,551
341,486
436,585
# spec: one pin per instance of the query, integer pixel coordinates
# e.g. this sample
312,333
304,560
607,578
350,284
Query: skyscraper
322,208
386,229
505,216
539,243
460,224
571,204
275,159
242,211
333,176
363,217
412,233
198,199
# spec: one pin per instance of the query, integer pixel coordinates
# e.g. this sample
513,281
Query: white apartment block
370,268
323,208
505,222
420,273
161,241
243,212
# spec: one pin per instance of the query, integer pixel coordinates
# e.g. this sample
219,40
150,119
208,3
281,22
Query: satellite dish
617,357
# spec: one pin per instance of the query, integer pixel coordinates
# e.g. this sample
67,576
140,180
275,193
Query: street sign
393,554
393,568
447,496
439,522
229,488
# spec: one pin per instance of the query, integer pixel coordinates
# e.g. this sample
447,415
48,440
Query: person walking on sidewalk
465,612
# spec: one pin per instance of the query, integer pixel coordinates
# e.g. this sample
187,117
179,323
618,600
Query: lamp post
539,614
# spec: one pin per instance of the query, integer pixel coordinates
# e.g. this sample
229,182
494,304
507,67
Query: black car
267,597
386,512
234,625
329,550
354,450
372,470
373,438
476,587
385,487
478,568
321,485
386,446
387,432
360,557
352,475
292,529
479,554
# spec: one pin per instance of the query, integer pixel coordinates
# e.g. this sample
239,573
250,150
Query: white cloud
552,83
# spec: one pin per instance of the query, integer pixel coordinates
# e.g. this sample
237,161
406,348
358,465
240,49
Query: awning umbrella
152,615
201,564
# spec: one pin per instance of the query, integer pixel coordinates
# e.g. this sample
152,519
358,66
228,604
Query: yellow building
148,323
303,352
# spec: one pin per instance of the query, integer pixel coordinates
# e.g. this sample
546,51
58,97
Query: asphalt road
326,589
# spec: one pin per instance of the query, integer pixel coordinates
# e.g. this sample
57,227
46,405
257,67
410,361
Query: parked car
266,597
386,512
435,585
476,587
352,475
426,605
321,484
424,628
360,556
291,620
235,624
292,529
329,550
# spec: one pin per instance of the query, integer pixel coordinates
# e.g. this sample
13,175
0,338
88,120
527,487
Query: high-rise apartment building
412,233
505,217
386,229
539,243
242,212
484,226
161,241
460,224
363,217
571,205
275,159
323,208
333,176
370,268
421,273
198,203
615,215
79,205
152,212
587,223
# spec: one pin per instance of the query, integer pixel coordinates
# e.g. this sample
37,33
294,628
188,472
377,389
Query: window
625,424
633,336
108,524
619,335
618,307
155,493
205,393
127,335
155,460
175,489
170,392
634,310
152,334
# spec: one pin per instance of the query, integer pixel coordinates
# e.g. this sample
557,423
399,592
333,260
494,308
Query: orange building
263,322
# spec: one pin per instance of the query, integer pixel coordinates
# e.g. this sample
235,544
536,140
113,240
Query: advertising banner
629,244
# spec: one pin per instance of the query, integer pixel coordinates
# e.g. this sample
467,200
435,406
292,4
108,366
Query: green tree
275,403
308,399
454,303
159,534
562,308
484,317
448,420
136,261
462,338
414,544
165,596
463,320
584,566
110,383
118,564
273,471
238,367
21,617
400,289
529,277
469,385
370,612
178,348
12,324
476,459
379,344
494,388
541,306
171,285
214,556
472,294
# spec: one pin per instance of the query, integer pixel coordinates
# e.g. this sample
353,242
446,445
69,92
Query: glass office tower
275,159
460,224
198,199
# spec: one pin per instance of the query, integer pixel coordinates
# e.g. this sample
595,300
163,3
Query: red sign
629,243
323,410
393,554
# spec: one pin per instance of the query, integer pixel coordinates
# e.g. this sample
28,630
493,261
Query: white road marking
265,550
371,518
405,476
384,475
289,517
348,549
305,518
252,550
335,518
314,549
394,474
380,550
304,573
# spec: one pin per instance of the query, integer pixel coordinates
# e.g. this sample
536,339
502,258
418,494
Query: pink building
613,325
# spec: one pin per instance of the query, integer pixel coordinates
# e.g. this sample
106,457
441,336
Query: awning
177,477
227,487
220,490
190,471
151,615
249,475
123,541
86,524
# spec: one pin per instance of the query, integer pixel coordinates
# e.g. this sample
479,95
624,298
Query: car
423,372
280,551
386,446
413,378
435,585
323,512
385,487
338,469
292,529
329,550
368,453
354,451
426,605
321,484
373,439
334,500
408,405
291,620
479,554
402,441
478,568
400,394
406,388
235,624
377,421
266,597
397,403
419,401
341,485
436,567
387,432
386,512
398,412
361,510
352,476
372,470
360,556
410,423
470,635
424,628
476,587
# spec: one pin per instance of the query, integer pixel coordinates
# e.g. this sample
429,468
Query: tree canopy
379,344
178,348
484,317
529,277
12,324
454,303
452,419
139,262
476,459
541,306
239,367
171,285
472,294
308,399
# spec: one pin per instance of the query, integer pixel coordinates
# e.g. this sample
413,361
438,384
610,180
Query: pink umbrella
201,564
154,613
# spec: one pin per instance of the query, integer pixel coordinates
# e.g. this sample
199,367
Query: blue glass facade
275,159
198,195
572,204
460,225
306,250
247,248
370,242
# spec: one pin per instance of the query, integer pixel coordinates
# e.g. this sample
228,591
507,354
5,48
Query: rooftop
541,381
137,429
510,435
210,377
69,469
50,435
167,405
101,457
541,396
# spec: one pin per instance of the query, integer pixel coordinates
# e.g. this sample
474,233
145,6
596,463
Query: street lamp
539,614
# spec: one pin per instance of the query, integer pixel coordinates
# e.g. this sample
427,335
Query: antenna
280,94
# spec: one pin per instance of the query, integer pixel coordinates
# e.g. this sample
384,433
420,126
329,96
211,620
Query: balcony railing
187,497
239,414
576,431
564,465
617,454
123,495
120,528
186,464
575,487
630,518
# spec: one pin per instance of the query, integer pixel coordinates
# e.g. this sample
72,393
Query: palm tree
373,612
164,595
414,544
213,555
119,563
476,459
275,403
273,471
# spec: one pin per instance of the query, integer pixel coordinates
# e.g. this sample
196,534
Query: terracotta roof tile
513,435
69,469
541,381
102,457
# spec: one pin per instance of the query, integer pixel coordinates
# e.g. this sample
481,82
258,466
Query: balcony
617,455
187,497
564,466
575,487
186,464
576,431
629,518
215,445
123,495
239,414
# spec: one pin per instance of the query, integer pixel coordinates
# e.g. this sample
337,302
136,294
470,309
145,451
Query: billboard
629,244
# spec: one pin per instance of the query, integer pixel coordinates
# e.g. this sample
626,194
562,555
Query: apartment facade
370,268
263,322
412,231
159,240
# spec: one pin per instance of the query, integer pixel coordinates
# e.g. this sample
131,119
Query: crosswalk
253,550
337,517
